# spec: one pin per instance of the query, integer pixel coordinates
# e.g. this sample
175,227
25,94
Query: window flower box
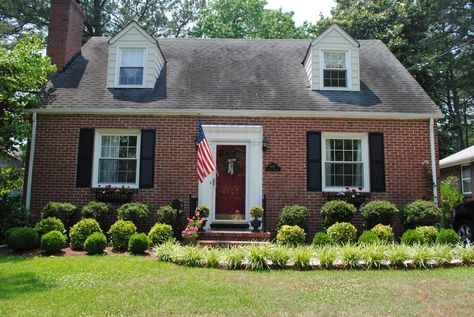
351,195
113,194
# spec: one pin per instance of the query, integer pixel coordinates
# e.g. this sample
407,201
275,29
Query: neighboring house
461,165
289,120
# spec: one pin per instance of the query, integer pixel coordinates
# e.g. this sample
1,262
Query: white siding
134,38
309,69
334,40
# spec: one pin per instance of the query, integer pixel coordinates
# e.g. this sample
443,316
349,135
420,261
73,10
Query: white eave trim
240,113
457,162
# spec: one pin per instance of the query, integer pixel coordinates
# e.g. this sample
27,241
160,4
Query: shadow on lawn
21,284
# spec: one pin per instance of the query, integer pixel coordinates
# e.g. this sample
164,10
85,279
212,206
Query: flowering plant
190,232
196,222
351,192
117,194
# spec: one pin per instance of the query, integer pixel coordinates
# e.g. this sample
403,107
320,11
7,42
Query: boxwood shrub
428,234
81,230
49,224
337,211
160,233
411,237
378,211
321,239
22,238
97,210
447,236
134,212
384,232
420,213
293,215
53,241
95,243
368,237
63,211
342,232
166,214
120,232
291,235
138,243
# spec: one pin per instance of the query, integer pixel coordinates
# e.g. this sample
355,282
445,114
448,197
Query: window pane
117,171
344,174
466,172
334,78
131,76
466,186
132,57
335,60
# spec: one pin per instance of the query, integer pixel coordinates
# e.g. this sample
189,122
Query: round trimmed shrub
337,211
160,233
378,211
81,230
321,239
53,241
203,211
411,237
291,235
166,214
293,215
95,243
120,232
49,224
22,238
383,232
447,236
428,234
134,212
256,211
342,232
63,211
138,243
420,213
97,210
368,237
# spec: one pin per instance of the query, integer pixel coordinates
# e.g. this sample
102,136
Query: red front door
230,185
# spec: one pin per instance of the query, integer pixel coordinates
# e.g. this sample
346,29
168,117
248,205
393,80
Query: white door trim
251,137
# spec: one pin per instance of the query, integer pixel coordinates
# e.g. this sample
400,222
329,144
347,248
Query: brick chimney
65,31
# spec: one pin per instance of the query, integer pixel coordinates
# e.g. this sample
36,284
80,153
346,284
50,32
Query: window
132,65
116,160
466,179
334,69
345,161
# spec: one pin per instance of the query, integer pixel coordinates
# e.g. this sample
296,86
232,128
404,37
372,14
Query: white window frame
119,62
99,133
348,69
463,179
365,158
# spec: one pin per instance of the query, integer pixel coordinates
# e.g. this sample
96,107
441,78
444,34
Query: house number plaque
273,167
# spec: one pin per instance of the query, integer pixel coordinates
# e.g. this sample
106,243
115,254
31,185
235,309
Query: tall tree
21,16
245,19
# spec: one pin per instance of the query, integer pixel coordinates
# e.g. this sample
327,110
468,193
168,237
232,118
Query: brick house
461,165
289,120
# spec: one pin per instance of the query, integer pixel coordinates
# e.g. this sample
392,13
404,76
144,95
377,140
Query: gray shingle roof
240,74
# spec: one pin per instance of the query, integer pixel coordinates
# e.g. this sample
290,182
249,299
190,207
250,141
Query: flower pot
255,223
189,240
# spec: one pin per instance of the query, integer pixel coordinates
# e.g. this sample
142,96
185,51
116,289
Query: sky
305,10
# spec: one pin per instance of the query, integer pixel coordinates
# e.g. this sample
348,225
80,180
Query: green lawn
128,285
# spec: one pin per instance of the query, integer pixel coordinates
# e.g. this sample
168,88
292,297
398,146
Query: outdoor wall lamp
264,143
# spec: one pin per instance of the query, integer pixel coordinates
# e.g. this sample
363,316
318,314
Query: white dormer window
132,66
335,69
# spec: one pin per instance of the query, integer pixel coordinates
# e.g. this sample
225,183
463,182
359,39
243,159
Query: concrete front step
228,243
226,235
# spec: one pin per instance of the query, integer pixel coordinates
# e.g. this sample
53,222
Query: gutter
433,162
30,162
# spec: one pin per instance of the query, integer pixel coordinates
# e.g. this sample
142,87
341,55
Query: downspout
433,162
30,162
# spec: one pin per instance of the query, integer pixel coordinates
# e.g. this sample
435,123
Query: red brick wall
54,172
65,31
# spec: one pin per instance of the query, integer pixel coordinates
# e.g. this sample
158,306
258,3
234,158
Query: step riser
234,236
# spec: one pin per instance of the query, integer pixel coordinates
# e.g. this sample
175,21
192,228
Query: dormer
135,59
332,61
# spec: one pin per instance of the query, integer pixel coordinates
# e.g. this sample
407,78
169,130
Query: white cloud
305,10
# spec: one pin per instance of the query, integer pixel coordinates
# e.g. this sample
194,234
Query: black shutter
84,158
313,152
147,158
377,162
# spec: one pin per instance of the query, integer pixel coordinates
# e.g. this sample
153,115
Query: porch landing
232,237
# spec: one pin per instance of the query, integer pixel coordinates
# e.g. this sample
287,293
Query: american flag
205,162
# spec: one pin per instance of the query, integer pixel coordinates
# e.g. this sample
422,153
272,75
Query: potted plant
256,212
190,235
201,213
